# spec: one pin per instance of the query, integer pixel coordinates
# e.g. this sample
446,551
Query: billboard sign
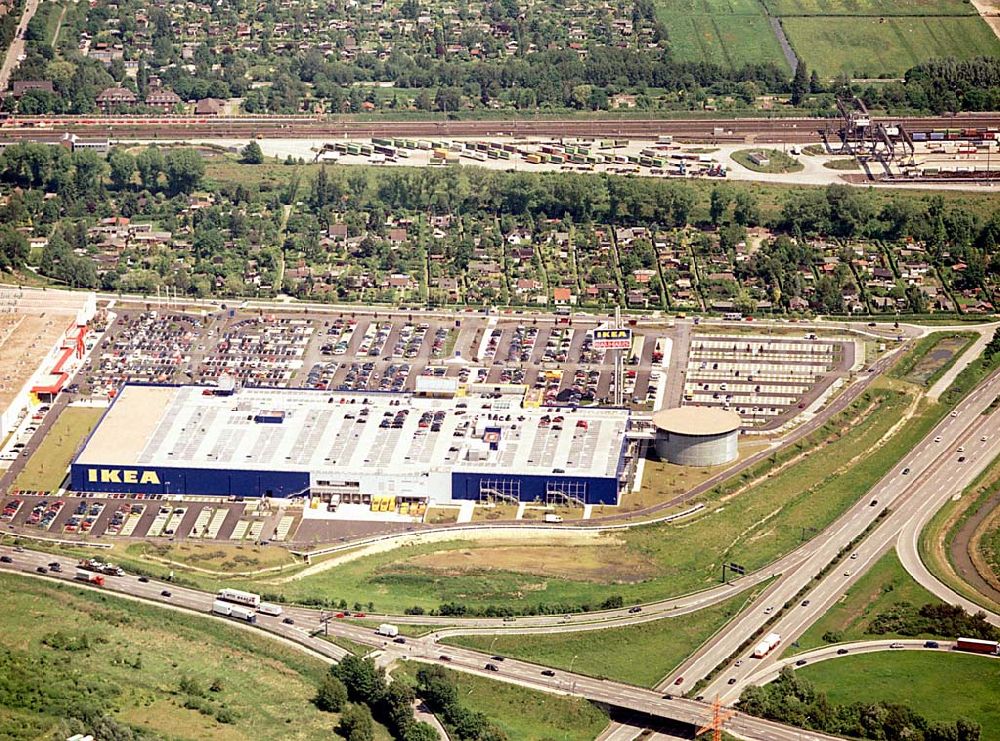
612,339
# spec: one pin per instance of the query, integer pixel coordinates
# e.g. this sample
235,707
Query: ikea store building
352,446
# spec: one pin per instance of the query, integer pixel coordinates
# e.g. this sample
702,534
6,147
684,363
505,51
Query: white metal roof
328,432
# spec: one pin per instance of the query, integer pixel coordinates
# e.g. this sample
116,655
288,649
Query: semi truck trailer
90,577
762,649
228,609
977,646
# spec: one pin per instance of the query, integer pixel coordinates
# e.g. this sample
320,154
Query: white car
937,439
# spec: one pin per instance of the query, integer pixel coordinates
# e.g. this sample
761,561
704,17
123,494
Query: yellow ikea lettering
122,476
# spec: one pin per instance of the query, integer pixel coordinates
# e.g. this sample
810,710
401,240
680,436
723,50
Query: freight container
269,608
977,646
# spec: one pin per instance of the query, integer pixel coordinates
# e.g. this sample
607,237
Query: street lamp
575,657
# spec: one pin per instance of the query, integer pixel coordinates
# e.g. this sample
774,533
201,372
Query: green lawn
885,46
779,161
886,584
940,686
46,469
133,666
842,164
638,654
520,712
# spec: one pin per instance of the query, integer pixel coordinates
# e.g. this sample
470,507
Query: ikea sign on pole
612,339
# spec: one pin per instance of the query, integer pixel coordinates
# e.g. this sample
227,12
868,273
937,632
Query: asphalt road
770,672
16,48
934,476
303,633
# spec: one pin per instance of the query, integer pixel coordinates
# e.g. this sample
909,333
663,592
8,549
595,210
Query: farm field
940,686
47,466
730,33
885,46
521,712
856,8
68,650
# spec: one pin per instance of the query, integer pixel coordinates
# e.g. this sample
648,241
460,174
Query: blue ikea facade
223,482
536,488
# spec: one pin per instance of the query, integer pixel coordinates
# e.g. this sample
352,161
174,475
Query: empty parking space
765,380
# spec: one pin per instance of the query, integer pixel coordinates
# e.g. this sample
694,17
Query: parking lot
364,353
154,517
765,379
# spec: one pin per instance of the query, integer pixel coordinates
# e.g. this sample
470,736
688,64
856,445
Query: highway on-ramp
933,475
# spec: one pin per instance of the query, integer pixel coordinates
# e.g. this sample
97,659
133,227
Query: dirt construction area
610,564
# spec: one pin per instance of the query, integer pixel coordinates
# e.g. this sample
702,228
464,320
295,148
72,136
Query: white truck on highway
228,609
269,608
552,517
249,599
762,649
388,630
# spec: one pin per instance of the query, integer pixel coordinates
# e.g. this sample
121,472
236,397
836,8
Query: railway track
293,127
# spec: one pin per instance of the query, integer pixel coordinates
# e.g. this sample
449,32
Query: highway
290,127
934,475
304,631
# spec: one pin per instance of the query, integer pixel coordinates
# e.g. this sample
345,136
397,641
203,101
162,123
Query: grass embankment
938,538
638,654
649,562
779,162
521,712
211,556
884,585
132,666
47,466
940,686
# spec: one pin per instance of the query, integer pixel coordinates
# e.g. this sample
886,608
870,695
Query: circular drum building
697,436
